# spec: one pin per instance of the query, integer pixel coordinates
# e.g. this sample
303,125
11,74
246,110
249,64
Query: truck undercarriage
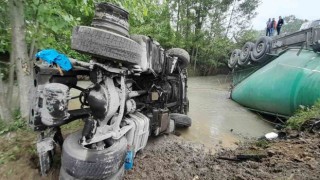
138,89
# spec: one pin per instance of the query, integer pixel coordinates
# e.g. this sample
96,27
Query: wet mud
172,157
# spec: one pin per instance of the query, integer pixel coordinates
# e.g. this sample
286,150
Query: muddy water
213,113
216,119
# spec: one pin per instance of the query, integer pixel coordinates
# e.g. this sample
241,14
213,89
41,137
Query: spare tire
105,45
234,58
261,48
245,54
112,18
85,163
182,55
181,120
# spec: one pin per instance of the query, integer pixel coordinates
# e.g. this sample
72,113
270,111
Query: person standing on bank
273,26
279,25
268,27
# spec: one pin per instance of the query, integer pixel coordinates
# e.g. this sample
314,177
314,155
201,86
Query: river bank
171,157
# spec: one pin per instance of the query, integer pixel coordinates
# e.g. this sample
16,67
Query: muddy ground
171,157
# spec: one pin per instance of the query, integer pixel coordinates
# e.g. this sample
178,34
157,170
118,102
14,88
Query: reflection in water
216,119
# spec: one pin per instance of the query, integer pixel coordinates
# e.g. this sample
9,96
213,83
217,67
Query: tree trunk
11,82
19,51
4,111
195,60
178,17
231,16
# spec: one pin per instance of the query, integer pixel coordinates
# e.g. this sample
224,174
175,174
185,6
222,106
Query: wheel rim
260,47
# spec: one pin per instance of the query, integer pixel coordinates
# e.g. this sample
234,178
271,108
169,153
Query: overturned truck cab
137,89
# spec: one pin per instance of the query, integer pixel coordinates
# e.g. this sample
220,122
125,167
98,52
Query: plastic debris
271,136
129,159
52,56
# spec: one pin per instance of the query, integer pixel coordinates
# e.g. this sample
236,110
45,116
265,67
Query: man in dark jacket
279,25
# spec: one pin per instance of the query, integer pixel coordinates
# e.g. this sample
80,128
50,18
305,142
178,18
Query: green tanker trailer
277,75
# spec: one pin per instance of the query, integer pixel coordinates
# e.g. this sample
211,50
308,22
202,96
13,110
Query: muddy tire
182,55
181,120
245,54
84,163
105,45
260,50
65,176
186,106
111,18
234,58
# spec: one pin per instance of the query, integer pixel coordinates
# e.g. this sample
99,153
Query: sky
302,9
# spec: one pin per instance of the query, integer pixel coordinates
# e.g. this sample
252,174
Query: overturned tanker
137,89
277,75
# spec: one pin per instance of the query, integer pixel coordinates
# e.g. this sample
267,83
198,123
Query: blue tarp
53,56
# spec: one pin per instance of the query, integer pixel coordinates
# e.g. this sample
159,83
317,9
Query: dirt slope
171,157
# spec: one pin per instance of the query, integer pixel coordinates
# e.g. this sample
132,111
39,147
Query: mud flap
45,147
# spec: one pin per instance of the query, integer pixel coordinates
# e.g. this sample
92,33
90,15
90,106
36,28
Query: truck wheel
245,54
261,48
234,58
181,120
65,176
105,45
112,18
85,163
182,55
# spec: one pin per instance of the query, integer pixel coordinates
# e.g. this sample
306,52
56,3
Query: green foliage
247,36
303,115
17,145
17,123
4,28
202,27
291,24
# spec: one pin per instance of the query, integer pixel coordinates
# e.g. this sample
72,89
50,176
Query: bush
303,115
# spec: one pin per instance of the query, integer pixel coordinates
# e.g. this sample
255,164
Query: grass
303,115
17,123
18,141
262,143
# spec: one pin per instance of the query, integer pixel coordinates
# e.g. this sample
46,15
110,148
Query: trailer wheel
182,55
260,50
112,18
234,58
85,163
105,45
245,54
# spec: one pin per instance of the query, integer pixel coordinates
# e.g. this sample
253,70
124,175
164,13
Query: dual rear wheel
251,53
